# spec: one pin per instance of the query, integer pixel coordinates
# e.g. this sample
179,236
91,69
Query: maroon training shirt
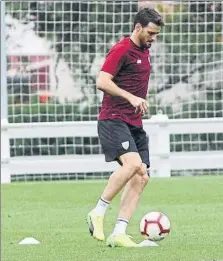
130,66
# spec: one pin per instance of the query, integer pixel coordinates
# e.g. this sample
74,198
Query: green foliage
80,31
93,24
85,22
34,111
51,112
193,42
194,23
211,108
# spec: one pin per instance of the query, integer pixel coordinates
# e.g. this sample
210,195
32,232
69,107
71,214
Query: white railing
159,128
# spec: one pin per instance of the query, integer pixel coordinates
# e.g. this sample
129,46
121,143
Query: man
124,80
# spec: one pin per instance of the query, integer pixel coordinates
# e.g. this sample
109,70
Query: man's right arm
105,83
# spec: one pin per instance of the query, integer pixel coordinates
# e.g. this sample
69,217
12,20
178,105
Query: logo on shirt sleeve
139,61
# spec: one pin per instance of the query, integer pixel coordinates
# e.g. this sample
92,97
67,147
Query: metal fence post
161,145
5,149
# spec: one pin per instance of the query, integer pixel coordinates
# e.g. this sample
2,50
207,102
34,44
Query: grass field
54,213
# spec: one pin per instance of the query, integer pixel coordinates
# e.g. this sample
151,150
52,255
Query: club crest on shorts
125,145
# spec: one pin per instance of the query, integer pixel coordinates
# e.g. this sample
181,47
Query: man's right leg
117,142
116,182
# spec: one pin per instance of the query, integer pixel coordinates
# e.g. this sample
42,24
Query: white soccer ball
155,226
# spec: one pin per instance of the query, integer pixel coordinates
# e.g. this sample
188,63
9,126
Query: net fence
55,50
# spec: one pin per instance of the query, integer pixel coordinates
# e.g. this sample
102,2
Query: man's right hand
140,104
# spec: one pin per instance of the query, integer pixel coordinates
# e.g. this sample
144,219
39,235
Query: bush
51,112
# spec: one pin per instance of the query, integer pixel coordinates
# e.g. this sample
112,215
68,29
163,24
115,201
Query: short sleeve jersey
130,67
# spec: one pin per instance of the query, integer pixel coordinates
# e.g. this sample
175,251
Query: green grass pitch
54,213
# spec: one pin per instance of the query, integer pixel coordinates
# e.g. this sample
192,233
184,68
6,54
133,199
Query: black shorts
118,137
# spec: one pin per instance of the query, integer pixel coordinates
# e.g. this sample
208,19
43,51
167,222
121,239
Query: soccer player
124,80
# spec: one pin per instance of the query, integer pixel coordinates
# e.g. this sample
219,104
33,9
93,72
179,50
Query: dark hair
147,15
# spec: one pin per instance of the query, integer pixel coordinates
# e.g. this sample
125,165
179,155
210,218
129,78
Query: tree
193,45
83,30
192,37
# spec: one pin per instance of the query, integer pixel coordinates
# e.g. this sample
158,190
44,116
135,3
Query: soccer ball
155,226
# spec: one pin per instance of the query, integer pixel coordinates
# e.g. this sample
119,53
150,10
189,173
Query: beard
146,45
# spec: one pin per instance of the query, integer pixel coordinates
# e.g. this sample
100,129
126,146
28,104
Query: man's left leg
131,196
133,190
129,202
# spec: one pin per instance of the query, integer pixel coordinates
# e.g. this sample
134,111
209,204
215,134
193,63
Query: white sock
101,206
120,226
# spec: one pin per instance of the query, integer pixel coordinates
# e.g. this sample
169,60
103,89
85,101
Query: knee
140,180
133,163
145,179
142,171
135,166
139,168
